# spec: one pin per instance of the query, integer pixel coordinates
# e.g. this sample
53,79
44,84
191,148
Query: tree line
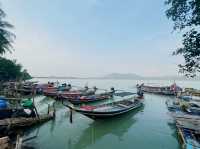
10,70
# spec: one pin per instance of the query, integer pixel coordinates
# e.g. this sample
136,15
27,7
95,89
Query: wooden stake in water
18,142
34,93
71,120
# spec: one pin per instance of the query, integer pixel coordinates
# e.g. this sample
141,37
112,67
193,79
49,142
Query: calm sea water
147,128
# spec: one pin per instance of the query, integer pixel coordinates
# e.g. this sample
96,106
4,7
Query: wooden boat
51,92
189,138
41,88
189,124
73,95
192,108
191,92
65,91
110,109
25,110
189,98
25,88
5,143
86,99
44,87
16,112
9,124
162,90
181,115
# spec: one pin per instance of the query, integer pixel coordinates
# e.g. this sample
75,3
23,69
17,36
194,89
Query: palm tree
6,37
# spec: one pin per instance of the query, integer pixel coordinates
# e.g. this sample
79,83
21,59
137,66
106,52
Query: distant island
125,76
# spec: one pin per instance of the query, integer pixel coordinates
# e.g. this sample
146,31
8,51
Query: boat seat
122,105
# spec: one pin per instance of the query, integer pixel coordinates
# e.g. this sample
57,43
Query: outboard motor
68,87
64,84
112,89
91,92
95,89
86,88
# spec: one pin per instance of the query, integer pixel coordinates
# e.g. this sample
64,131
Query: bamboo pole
33,95
23,122
48,109
4,142
54,110
18,142
181,136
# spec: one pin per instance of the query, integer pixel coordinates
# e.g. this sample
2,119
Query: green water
147,128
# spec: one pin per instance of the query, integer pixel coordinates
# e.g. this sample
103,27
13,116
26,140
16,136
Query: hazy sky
92,37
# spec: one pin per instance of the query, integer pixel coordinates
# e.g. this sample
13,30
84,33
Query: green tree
186,17
25,75
6,37
9,69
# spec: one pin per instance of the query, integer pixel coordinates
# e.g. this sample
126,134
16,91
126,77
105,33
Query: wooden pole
54,110
71,120
4,142
33,95
36,112
18,142
48,109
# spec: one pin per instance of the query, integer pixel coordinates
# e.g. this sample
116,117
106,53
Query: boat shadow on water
117,126
174,133
172,126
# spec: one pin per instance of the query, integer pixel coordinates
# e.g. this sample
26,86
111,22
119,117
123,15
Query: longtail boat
189,138
52,91
40,88
86,99
189,98
162,90
110,109
70,95
181,115
189,124
192,108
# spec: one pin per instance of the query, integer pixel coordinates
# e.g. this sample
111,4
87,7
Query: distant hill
129,76
122,76
55,77
133,76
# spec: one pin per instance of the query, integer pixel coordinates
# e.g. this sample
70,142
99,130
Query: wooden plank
181,136
20,122
122,105
18,142
4,143
4,140
15,99
4,146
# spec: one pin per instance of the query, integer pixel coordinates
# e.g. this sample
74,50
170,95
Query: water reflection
117,126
